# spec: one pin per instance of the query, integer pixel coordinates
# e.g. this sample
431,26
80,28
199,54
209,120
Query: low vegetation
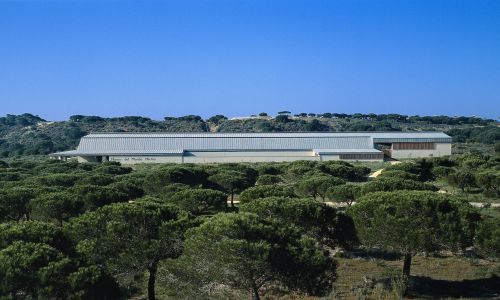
105,231
27,134
427,228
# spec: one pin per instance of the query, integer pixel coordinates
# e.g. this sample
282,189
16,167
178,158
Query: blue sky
234,57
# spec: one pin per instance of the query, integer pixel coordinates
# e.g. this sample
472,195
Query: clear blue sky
234,57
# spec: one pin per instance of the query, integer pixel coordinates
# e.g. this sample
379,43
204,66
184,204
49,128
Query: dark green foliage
233,181
488,237
104,247
470,173
360,173
343,170
98,179
387,184
55,166
33,232
200,201
422,168
318,220
188,123
268,169
282,119
63,180
413,221
316,186
112,169
93,197
130,237
23,120
472,161
450,120
315,125
298,170
92,283
164,175
442,172
169,190
485,135
130,187
268,179
217,119
56,206
33,269
39,271
265,191
264,126
347,193
246,253
398,174
249,172
489,180
14,203
462,179
10,176
443,162
28,134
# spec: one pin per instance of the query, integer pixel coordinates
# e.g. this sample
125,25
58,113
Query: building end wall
440,149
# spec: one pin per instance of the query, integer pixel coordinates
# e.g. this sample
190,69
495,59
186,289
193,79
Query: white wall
440,149
256,156
84,159
325,157
146,159
221,157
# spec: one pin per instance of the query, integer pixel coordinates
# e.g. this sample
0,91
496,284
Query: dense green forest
298,230
27,134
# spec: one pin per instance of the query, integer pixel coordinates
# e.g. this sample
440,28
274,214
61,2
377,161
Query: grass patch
430,274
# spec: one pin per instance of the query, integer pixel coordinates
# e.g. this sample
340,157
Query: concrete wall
325,157
256,156
146,159
440,149
221,157
368,160
84,159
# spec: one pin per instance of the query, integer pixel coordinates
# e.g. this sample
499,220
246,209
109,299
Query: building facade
133,148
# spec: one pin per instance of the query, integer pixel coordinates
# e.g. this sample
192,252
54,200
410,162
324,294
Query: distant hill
29,134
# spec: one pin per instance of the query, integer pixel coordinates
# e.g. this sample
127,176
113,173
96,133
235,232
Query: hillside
28,134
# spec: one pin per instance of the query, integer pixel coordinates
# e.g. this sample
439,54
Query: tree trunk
152,280
255,293
406,272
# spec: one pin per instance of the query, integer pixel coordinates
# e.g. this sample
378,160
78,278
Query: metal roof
374,134
413,137
338,151
152,152
65,153
151,143
177,143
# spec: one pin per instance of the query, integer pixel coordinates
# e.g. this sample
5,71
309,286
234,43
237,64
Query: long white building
132,148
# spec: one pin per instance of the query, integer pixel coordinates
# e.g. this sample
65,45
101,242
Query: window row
362,156
413,146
